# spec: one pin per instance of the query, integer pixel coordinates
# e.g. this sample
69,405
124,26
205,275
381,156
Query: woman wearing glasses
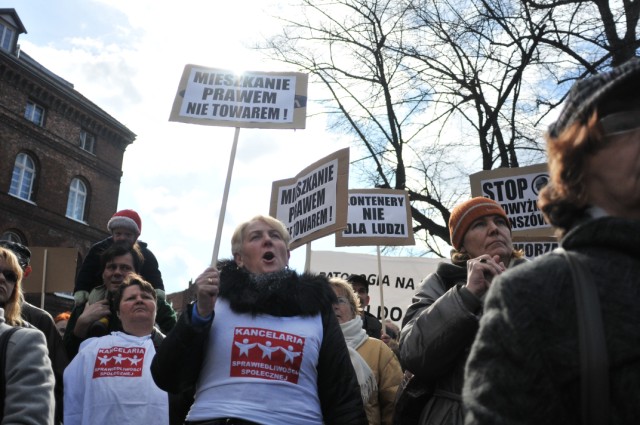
377,368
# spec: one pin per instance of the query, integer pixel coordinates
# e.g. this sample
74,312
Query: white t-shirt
261,369
109,382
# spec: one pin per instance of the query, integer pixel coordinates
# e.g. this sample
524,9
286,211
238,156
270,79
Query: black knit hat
21,251
358,278
586,94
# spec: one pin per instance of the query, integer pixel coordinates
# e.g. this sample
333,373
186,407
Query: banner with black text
211,96
314,203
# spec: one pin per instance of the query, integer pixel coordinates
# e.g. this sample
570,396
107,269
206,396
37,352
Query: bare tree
586,34
433,90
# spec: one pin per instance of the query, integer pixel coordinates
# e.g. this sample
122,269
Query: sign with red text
314,203
516,190
377,217
211,96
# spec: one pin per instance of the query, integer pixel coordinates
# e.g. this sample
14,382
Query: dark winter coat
524,367
436,337
177,364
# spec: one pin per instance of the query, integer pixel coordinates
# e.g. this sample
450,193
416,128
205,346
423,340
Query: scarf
284,293
355,336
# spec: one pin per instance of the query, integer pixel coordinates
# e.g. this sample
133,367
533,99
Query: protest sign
516,190
401,278
377,217
314,203
211,96
534,247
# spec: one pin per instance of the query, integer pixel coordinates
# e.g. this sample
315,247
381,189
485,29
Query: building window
24,173
34,113
6,37
87,141
77,200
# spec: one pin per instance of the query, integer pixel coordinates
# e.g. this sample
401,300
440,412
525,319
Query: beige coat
388,373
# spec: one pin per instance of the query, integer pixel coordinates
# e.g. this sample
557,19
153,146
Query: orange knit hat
467,212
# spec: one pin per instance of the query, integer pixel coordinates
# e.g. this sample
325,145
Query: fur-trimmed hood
281,294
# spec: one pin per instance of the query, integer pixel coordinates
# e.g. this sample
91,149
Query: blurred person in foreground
109,381
377,368
441,323
42,320
261,345
524,366
28,376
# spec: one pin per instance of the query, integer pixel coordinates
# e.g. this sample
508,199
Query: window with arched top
23,177
77,199
12,236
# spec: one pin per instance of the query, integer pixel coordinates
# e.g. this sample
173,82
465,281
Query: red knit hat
129,219
467,212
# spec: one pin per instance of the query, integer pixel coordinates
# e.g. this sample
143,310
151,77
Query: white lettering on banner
266,354
518,197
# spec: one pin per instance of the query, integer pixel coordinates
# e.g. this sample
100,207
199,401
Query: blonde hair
13,308
343,287
238,234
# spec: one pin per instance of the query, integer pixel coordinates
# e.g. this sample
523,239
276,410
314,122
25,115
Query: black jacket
90,273
177,364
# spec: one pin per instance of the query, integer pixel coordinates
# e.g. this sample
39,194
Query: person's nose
492,227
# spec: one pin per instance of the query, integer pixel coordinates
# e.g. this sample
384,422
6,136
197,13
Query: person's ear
238,259
26,272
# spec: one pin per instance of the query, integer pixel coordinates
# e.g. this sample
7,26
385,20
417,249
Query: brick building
60,154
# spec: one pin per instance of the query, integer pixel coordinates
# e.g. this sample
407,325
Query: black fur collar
280,294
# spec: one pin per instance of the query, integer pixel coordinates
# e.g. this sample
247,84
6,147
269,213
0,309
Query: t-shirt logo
119,361
266,354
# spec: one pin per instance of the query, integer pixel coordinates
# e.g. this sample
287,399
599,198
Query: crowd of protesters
489,338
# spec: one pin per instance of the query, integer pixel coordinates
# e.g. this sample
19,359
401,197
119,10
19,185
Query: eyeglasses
342,300
9,276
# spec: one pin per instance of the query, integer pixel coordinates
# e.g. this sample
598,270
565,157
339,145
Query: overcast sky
127,57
